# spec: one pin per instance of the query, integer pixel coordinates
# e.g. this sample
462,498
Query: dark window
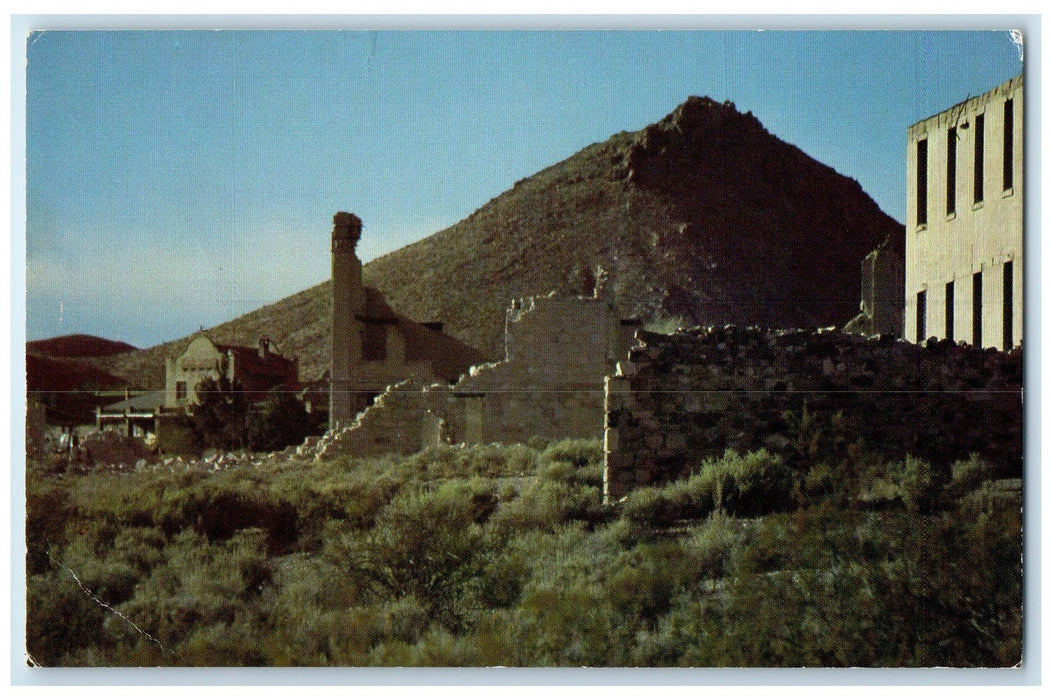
1009,125
949,310
374,342
922,313
922,182
951,170
977,309
1006,314
979,130
180,391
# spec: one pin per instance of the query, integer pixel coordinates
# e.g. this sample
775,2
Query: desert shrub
449,462
668,325
348,499
503,574
425,544
546,505
748,485
438,647
47,511
823,454
653,506
395,565
967,475
224,643
578,452
219,509
139,547
710,550
569,625
922,484
641,582
318,617
199,586
176,436
281,420
220,415
108,578
832,587
60,618
568,473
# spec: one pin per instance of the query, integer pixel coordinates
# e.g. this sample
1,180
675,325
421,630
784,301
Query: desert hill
704,215
78,345
61,375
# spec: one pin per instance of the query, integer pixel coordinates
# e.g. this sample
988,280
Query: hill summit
704,216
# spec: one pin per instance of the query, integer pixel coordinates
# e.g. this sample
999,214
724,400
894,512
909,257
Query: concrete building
374,347
964,222
257,370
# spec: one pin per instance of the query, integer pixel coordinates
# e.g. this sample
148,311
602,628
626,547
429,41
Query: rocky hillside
703,215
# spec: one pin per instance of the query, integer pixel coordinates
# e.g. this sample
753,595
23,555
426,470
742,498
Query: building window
922,314
374,342
949,310
180,391
1006,313
1009,126
922,182
979,138
951,170
977,309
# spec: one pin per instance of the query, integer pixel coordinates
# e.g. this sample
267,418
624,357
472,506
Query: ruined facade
883,284
550,384
257,370
687,397
964,222
374,347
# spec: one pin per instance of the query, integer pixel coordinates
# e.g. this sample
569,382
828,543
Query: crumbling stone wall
692,395
558,351
393,424
883,285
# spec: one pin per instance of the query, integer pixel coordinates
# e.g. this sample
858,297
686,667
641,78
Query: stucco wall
978,237
201,360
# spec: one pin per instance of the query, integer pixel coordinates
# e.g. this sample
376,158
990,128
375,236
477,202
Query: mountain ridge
703,215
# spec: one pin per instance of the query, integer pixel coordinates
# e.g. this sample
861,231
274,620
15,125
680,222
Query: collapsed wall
558,351
686,397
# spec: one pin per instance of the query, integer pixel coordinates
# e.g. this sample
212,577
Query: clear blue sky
179,179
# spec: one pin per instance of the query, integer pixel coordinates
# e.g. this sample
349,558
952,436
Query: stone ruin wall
558,351
686,397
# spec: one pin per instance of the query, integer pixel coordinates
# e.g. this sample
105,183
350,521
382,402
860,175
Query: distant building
137,415
257,370
964,222
374,347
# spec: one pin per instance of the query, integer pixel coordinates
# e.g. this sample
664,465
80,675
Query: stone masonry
558,350
686,397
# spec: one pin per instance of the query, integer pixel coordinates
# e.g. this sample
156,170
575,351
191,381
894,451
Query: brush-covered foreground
507,556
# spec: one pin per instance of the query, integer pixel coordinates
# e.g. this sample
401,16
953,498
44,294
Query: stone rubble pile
114,461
